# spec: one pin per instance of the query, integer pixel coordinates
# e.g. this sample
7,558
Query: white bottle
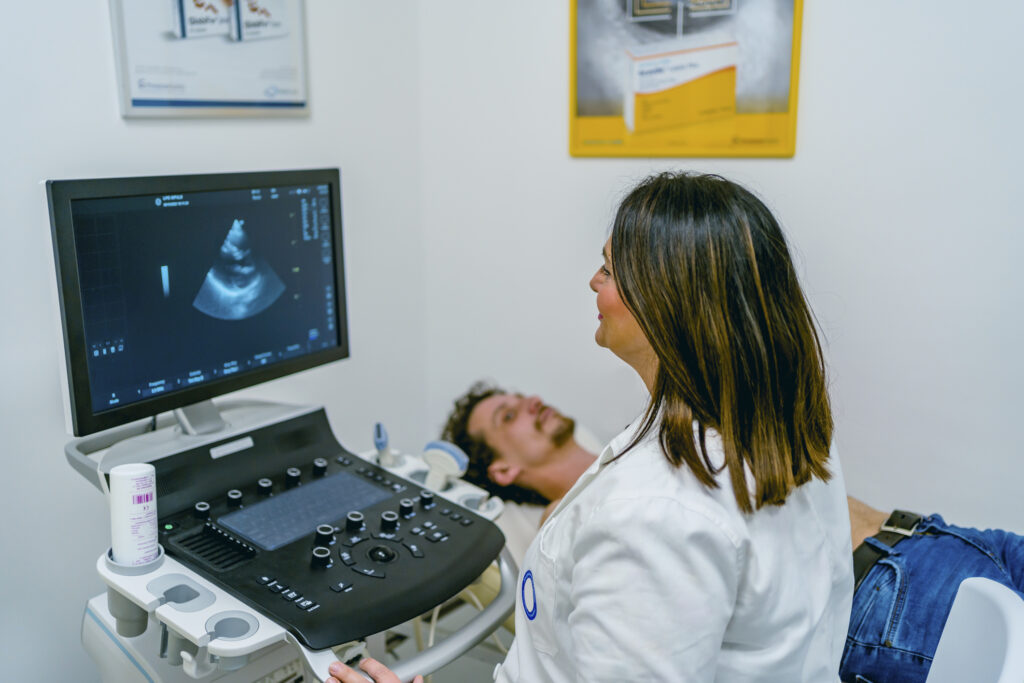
133,534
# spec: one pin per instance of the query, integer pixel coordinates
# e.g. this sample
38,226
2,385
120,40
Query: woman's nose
593,279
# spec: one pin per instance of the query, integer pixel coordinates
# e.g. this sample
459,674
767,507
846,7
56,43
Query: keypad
374,559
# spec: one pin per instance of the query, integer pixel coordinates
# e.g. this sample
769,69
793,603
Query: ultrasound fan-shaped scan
239,285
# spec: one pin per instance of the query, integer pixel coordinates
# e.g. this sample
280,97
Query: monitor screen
177,289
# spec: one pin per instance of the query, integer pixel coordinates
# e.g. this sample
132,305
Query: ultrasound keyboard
328,545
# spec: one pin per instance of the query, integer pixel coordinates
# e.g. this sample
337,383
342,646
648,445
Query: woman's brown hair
704,268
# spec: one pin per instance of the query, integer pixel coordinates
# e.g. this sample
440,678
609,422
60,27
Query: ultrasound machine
280,550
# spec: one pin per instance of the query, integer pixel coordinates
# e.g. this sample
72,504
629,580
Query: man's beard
564,432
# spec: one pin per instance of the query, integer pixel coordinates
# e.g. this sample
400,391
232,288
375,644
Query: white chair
983,639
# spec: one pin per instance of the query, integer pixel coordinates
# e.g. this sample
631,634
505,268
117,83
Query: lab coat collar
606,458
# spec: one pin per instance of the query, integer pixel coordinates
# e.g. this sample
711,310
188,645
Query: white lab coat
643,574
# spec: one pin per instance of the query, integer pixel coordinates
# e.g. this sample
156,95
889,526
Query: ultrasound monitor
176,289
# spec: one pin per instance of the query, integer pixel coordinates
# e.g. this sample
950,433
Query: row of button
380,479
430,531
264,487
293,596
289,595
455,516
354,540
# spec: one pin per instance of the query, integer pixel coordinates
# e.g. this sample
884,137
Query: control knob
406,507
324,534
234,498
319,467
201,510
321,556
265,486
426,499
354,521
388,521
292,477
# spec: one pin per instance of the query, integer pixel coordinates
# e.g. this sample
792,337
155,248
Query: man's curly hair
456,430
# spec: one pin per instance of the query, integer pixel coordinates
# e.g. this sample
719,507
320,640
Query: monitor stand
200,418
203,423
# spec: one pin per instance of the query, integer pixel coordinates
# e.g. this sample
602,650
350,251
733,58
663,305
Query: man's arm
864,520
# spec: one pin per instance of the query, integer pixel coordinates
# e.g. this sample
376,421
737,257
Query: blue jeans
901,606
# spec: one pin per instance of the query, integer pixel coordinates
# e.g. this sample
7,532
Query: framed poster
689,78
210,57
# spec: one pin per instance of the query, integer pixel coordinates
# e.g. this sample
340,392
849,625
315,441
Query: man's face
523,432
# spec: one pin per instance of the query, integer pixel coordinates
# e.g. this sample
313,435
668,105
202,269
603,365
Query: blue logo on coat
531,608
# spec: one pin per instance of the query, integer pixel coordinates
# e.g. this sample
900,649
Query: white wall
60,119
471,235
911,149
899,204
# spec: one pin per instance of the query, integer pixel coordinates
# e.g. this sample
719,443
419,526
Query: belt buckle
891,524
899,530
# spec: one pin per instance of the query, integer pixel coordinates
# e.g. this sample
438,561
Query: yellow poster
693,78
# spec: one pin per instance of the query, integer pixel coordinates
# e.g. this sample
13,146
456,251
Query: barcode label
142,498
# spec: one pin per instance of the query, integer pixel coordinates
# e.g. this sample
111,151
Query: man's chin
565,430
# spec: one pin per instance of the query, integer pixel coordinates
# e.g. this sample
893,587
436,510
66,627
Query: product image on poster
684,79
180,58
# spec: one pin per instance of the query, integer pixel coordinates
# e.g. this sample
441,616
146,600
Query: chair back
983,639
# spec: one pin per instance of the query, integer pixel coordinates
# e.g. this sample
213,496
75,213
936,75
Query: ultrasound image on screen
178,290
283,518
239,285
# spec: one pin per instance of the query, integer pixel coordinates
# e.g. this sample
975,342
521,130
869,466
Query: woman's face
617,329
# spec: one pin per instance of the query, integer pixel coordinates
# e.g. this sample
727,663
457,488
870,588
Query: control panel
326,544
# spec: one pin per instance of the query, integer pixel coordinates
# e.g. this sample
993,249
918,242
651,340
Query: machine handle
79,451
467,637
452,647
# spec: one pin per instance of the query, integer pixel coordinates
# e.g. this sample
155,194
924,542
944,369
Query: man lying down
528,453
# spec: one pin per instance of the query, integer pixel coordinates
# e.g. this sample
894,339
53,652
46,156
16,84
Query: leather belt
900,525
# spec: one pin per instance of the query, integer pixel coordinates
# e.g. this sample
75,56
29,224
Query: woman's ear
502,472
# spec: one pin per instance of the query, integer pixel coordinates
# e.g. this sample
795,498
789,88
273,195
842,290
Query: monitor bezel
61,193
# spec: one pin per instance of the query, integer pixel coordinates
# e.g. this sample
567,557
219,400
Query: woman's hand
378,672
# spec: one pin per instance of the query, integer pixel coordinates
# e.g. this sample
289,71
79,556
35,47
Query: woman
710,541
